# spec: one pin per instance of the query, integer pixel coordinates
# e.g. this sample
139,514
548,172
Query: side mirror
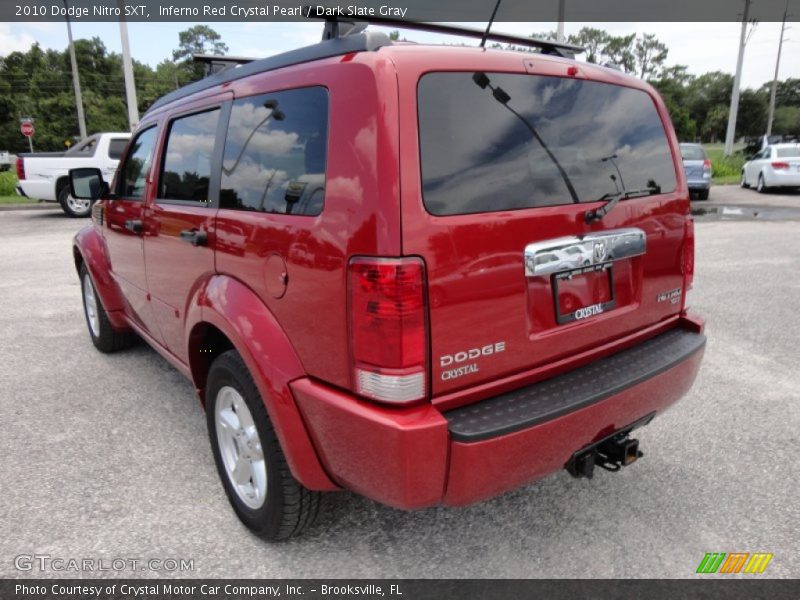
87,184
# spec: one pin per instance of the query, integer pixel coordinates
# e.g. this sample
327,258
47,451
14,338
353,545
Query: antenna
489,24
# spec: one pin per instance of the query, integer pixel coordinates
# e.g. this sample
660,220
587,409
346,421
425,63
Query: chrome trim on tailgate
567,253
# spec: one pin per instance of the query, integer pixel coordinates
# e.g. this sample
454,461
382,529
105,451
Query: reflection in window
496,141
275,153
187,157
133,176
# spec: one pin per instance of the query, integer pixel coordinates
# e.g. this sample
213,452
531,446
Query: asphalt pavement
106,456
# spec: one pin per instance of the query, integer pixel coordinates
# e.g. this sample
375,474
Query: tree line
698,105
38,84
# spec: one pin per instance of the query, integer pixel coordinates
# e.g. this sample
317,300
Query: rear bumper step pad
573,390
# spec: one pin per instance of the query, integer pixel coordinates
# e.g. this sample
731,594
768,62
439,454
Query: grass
725,169
15,200
8,183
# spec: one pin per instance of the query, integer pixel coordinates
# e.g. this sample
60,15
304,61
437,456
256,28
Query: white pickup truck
45,175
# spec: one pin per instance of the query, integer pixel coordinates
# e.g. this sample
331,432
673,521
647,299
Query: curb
36,206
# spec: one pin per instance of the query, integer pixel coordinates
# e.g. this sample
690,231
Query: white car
777,165
45,175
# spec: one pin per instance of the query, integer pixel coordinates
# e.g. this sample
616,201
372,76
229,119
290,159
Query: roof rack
215,63
546,46
342,37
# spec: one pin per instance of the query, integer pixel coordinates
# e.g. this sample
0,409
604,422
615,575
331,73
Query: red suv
424,274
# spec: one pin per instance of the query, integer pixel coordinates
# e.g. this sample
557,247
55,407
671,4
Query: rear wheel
761,187
702,195
73,207
104,337
250,461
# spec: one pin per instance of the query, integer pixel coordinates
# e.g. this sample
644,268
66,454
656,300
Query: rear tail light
20,168
707,165
780,165
388,328
688,261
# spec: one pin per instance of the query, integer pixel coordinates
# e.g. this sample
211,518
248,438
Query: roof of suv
400,52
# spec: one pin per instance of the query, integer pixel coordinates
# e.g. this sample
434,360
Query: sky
702,47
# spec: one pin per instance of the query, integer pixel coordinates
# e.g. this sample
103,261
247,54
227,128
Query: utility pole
127,68
76,82
732,113
560,28
775,79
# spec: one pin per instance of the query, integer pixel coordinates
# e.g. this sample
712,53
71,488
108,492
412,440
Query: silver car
697,167
777,165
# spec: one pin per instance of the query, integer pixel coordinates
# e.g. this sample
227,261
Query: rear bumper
41,189
782,177
418,457
699,184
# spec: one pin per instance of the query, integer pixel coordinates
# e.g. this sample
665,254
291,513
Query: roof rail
338,27
339,46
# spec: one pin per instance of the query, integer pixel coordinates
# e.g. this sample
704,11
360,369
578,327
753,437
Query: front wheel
104,337
73,207
250,461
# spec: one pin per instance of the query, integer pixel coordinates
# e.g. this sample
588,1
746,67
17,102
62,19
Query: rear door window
276,152
499,141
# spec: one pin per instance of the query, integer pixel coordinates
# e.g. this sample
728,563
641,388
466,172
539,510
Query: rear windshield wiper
612,199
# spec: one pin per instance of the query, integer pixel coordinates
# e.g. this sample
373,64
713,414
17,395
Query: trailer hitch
610,453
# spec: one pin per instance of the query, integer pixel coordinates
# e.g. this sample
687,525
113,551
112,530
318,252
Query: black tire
702,195
64,200
104,337
289,508
761,187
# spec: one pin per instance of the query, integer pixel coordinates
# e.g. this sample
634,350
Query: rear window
788,152
186,169
498,141
693,153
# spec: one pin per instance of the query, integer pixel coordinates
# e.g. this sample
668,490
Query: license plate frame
584,312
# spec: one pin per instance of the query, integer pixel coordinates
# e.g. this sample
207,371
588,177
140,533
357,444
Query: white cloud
14,38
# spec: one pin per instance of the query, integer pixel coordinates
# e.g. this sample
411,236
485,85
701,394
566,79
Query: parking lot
106,456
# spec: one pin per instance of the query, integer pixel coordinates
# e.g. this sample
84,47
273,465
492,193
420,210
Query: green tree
593,40
714,125
787,120
619,51
673,87
200,39
650,55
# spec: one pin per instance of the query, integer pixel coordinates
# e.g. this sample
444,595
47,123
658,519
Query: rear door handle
195,237
134,225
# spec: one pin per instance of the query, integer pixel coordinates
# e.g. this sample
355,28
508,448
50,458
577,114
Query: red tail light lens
20,168
388,328
688,260
707,165
780,165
